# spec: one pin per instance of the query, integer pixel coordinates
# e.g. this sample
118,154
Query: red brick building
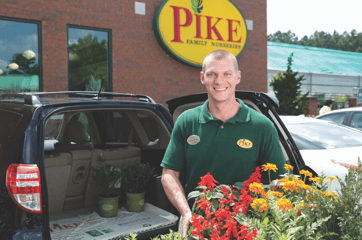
137,63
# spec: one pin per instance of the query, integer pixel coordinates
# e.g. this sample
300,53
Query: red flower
356,168
208,181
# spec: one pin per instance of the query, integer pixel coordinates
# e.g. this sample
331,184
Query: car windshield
316,135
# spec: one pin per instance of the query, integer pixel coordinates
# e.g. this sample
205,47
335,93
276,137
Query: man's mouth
220,89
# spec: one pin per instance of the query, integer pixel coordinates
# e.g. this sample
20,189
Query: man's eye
210,74
227,74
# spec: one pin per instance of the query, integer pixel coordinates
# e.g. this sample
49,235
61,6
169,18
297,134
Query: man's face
220,79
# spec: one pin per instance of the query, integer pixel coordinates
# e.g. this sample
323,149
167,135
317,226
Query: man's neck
225,110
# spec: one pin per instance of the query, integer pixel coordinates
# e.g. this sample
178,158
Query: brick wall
139,64
312,106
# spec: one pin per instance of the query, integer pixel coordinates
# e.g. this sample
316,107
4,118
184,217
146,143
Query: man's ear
238,77
202,78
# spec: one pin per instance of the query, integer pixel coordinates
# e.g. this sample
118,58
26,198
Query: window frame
109,56
40,52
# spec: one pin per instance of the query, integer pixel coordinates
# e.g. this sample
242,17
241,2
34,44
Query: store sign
190,29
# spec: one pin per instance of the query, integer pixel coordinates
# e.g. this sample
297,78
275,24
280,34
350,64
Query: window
53,126
336,118
19,56
89,58
356,121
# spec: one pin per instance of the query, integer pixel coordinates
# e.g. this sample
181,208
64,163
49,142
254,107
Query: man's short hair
220,54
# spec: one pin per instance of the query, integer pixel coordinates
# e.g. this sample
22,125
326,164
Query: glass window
336,118
19,56
324,136
89,59
53,126
150,126
356,121
81,117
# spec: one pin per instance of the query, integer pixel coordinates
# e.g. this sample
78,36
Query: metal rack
31,98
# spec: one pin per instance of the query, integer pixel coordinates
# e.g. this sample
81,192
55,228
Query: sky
304,17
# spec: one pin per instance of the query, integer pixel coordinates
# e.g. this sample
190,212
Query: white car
325,146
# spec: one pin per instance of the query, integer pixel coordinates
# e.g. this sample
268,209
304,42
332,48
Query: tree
287,37
287,90
87,59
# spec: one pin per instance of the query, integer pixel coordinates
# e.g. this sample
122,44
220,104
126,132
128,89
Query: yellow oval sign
191,29
244,143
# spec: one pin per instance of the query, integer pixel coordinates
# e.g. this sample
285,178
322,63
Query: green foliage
107,178
87,58
349,204
287,90
197,6
137,177
169,236
132,236
347,41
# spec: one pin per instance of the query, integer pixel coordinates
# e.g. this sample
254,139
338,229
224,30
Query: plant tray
92,226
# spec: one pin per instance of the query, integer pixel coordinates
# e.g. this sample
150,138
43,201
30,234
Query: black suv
46,171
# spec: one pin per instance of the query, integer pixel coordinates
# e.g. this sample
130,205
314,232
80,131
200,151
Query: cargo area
73,143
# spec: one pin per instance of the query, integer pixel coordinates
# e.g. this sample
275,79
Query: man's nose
219,79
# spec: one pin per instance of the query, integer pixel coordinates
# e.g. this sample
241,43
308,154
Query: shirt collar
243,115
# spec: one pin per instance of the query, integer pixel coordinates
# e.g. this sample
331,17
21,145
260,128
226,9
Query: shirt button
222,127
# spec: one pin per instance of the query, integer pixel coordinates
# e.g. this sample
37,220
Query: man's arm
175,193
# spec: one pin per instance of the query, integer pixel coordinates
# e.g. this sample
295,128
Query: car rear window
324,136
8,122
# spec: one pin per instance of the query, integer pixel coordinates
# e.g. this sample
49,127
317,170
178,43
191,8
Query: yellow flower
332,178
284,204
290,185
259,205
316,179
288,167
327,194
277,194
306,187
306,173
269,166
256,188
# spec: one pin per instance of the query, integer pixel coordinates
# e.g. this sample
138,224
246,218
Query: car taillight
23,183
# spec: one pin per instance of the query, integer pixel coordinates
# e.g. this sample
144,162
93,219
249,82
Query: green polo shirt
228,150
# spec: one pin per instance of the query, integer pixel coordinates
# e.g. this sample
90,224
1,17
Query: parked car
49,141
325,146
351,117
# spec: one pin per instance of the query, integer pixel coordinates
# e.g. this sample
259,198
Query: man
212,138
327,107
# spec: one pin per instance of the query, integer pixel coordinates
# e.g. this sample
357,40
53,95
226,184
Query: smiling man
223,137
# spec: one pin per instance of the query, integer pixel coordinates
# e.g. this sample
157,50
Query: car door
356,120
261,103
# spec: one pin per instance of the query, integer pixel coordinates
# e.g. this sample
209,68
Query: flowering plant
288,208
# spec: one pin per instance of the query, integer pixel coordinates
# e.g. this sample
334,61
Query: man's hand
186,224
175,193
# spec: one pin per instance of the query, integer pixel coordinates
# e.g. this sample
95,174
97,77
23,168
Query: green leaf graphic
194,5
199,6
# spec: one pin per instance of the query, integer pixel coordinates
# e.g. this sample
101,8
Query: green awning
313,59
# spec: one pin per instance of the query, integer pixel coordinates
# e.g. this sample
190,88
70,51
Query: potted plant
136,178
108,179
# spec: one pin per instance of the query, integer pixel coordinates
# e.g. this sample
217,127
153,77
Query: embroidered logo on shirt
244,143
193,140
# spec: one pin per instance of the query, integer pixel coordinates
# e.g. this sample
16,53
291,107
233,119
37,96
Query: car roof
299,119
66,97
351,109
